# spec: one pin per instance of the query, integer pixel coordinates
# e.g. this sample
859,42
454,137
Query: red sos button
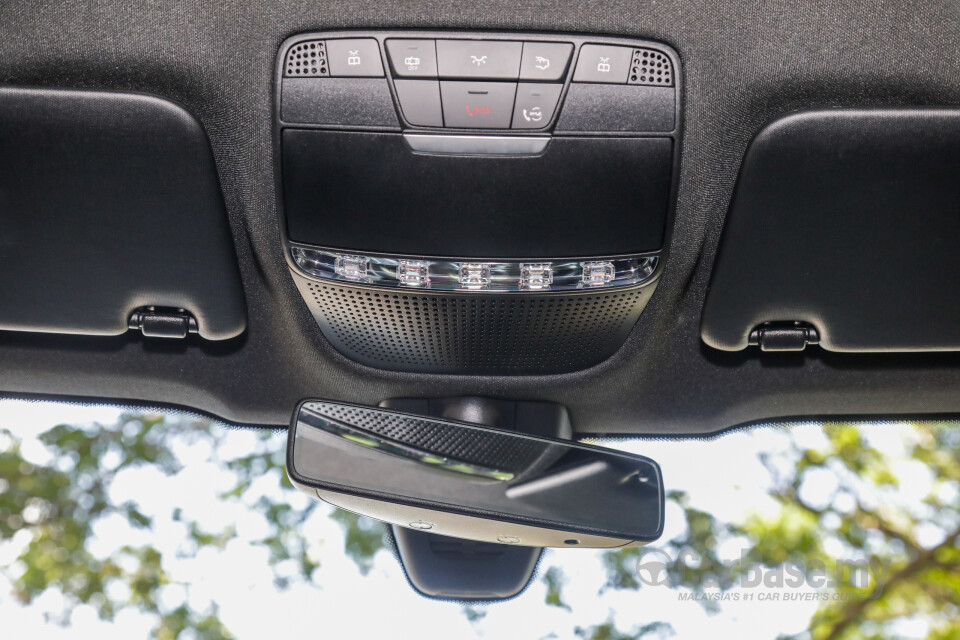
477,105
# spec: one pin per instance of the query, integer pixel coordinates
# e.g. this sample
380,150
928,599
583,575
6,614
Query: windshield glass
128,523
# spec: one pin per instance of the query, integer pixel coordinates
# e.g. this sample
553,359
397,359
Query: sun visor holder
843,232
163,323
112,219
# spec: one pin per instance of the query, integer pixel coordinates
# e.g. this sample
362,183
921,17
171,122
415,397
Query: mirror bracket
452,568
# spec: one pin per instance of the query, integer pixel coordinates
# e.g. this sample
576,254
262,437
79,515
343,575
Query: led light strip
476,275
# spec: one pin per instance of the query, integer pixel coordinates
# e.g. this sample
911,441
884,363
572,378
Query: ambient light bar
500,275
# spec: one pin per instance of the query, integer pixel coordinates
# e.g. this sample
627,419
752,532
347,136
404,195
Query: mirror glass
475,470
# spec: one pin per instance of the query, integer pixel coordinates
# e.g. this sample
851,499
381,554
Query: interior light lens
351,267
413,273
535,276
474,275
598,273
502,276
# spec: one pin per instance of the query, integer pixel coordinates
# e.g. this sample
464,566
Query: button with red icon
477,105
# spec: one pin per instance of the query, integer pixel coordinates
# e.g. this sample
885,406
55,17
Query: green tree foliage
57,505
54,507
864,517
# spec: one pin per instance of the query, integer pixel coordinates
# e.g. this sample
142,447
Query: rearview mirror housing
471,481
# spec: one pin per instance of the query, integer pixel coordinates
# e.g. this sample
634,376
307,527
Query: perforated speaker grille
651,67
474,334
306,59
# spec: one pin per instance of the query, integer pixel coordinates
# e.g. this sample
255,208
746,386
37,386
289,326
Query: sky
722,476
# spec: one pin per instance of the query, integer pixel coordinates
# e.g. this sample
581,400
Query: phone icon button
535,105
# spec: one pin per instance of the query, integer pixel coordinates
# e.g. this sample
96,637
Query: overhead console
476,203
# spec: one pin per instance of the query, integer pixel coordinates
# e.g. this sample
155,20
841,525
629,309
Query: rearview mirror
471,481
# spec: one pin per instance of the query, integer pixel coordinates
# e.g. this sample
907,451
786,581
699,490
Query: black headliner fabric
744,64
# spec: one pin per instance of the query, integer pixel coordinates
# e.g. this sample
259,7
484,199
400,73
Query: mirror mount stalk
452,568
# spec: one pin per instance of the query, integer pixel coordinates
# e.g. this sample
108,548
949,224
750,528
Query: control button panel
477,105
535,83
494,59
604,64
356,57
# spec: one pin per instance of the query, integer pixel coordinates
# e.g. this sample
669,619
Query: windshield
125,524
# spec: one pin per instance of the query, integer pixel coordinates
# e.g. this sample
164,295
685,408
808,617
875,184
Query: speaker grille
474,334
306,59
651,67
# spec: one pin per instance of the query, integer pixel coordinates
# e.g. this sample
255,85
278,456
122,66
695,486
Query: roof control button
535,105
479,59
356,57
412,58
545,60
478,105
603,63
